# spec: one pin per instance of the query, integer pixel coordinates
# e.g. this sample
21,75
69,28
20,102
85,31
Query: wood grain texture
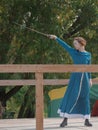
52,68
39,101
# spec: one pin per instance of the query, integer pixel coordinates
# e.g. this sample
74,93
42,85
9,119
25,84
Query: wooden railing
39,82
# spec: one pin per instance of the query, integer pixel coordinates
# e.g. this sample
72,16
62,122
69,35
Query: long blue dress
75,102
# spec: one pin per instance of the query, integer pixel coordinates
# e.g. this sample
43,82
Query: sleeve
89,62
68,48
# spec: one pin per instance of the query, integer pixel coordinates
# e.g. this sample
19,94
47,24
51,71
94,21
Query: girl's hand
91,82
52,37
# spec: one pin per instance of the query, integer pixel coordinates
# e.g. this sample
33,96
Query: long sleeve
89,62
68,48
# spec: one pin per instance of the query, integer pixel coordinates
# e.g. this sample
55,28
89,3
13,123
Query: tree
87,14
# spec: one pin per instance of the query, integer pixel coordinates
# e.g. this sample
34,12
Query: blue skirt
75,102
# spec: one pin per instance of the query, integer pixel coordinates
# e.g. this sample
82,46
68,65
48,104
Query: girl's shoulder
82,53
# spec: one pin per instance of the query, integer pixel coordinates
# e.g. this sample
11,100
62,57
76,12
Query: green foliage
14,103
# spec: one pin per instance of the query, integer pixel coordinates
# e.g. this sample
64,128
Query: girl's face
76,44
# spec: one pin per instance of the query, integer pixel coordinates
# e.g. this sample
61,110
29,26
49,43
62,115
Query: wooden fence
39,82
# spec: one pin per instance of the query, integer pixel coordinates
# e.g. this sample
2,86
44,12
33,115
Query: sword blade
34,30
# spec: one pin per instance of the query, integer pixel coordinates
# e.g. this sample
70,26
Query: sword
34,30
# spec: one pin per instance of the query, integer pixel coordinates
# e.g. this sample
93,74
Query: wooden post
39,101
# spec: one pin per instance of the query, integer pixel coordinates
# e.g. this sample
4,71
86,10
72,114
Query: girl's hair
80,40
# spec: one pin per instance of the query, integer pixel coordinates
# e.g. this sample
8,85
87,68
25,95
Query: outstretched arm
62,43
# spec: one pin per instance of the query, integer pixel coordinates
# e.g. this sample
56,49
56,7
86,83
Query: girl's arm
89,74
62,43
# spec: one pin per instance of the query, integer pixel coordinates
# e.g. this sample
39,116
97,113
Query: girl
75,102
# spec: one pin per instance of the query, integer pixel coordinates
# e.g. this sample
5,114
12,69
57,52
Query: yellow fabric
57,93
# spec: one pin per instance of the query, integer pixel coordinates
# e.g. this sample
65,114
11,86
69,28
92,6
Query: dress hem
86,116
